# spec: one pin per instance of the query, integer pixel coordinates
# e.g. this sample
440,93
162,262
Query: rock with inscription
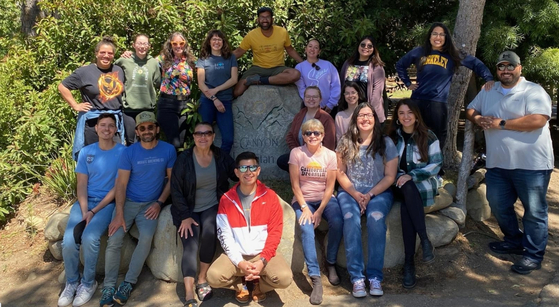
262,117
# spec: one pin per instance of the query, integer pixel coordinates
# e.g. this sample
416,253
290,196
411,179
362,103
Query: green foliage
59,178
8,24
543,66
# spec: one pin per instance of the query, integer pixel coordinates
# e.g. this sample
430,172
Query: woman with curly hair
367,164
177,65
419,163
217,74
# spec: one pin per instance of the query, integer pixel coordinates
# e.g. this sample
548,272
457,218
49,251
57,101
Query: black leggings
412,215
204,233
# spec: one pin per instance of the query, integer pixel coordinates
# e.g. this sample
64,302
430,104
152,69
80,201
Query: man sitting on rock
268,43
249,228
140,193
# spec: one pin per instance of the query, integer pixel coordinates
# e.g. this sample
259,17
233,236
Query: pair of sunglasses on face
148,127
309,133
178,44
245,168
509,67
203,133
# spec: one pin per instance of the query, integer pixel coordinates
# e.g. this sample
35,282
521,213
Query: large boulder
164,260
262,117
440,229
477,204
52,231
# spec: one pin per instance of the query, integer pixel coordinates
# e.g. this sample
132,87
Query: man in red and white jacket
249,228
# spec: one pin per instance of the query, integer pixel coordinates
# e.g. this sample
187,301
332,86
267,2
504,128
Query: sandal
191,303
204,291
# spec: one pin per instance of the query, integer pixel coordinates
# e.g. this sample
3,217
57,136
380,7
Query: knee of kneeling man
213,277
283,279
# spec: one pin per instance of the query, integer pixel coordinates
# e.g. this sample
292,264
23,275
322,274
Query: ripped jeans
376,213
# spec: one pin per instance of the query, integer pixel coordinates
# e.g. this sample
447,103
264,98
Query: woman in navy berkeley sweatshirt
436,62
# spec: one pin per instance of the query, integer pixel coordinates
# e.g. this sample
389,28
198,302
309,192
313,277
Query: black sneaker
408,281
502,247
526,266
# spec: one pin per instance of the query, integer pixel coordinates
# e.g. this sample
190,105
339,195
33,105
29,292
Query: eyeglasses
435,34
200,134
366,46
309,133
148,127
216,39
245,168
365,115
178,44
315,66
143,44
312,97
509,67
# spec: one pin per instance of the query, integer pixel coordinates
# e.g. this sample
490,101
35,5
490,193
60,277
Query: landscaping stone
443,200
456,214
440,229
55,248
477,204
52,231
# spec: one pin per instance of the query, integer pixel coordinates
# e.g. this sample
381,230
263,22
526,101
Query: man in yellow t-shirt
267,43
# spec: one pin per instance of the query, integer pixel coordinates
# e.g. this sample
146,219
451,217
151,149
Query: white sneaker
84,294
359,289
67,295
376,288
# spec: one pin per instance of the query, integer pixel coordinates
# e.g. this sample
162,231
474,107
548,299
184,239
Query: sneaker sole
407,287
119,302
381,293
359,295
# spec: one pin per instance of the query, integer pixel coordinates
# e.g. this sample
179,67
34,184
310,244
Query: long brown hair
375,56
349,143
448,46
169,55
420,133
206,50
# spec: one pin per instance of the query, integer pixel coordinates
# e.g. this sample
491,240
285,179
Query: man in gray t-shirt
514,115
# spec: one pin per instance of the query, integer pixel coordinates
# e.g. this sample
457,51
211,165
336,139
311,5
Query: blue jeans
333,215
90,242
171,120
376,213
503,188
134,212
224,121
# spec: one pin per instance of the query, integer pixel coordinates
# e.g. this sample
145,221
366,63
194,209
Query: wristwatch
213,97
303,206
160,203
371,195
264,261
502,124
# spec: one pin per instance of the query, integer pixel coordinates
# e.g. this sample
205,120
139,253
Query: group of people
337,139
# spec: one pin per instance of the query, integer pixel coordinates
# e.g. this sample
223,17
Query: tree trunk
466,35
29,12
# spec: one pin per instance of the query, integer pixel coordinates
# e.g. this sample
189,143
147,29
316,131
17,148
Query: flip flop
204,291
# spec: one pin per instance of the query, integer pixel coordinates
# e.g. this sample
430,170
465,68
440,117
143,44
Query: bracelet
92,212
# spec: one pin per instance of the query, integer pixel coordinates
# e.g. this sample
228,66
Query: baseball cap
145,117
509,56
264,9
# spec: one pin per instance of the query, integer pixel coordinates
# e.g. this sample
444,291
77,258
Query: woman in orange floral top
177,72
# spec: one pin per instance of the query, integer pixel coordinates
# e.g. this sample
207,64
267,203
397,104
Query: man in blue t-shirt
140,193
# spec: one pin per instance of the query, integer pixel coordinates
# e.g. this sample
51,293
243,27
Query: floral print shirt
176,80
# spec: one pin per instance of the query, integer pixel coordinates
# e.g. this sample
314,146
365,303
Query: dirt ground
465,272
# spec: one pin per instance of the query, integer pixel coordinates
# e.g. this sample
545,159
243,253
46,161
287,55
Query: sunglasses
309,133
245,168
178,44
509,67
315,66
148,127
366,46
202,133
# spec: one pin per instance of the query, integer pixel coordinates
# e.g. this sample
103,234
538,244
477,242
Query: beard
147,137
